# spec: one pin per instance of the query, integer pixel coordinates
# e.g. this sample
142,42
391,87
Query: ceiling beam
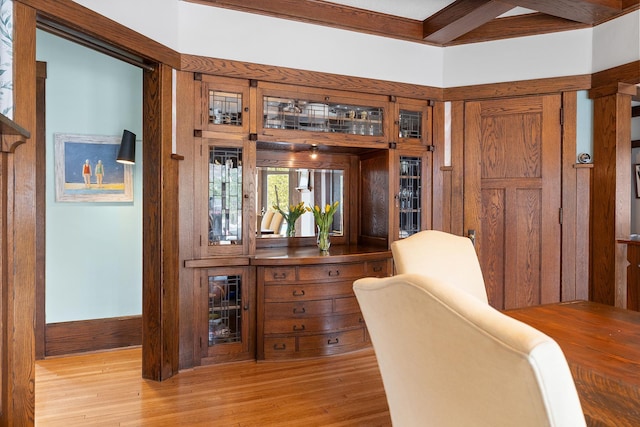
459,18
328,14
585,11
529,24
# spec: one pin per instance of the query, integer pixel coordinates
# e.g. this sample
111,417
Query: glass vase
323,240
291,229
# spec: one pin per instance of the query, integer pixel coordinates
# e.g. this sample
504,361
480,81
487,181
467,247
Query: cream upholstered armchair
447,359
442,256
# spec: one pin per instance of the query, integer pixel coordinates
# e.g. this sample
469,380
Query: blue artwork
86,169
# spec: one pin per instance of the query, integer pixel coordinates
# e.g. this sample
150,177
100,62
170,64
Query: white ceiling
412,9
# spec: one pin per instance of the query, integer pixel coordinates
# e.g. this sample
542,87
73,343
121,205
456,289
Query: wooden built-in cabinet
257,293
224,331
310,309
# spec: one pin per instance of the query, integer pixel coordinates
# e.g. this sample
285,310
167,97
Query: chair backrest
447,359
443,256
276,222
266,219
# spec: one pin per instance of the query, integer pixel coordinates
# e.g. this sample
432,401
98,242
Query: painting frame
72,152
636,169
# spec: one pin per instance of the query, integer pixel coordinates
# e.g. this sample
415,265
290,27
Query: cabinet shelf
225,308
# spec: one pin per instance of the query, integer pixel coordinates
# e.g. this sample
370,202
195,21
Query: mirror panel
288,187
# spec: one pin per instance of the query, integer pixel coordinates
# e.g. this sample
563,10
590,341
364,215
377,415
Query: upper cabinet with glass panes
324,115
225,105
413,122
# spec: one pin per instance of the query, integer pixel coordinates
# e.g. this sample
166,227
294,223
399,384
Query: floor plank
106,389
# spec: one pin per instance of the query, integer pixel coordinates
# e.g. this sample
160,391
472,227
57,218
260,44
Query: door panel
512,197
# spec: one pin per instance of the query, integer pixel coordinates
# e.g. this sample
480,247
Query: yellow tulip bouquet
324,219
295,211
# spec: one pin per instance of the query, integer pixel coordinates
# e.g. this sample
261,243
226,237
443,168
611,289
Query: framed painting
86,169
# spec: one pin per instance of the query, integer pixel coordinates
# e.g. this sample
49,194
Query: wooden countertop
312,255
296,256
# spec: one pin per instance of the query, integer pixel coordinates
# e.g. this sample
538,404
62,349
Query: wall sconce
313,151
127,153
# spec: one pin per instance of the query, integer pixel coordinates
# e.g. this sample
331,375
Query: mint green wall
93,250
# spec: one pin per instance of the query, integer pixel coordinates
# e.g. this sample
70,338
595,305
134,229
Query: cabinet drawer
275,310
279,347
331,341
377,269
313,324
346,305
331,271
279,274
310,291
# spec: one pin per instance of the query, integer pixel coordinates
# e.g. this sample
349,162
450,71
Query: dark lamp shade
127,153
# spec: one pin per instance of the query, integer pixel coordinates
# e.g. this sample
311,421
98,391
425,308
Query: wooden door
512,197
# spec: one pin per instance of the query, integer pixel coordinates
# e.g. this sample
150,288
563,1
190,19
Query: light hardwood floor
106,389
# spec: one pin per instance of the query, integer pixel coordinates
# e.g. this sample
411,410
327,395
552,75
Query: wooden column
160,326
611,198
18,231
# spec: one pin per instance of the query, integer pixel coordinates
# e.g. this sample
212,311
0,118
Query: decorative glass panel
225,309
410,195
287,113
410,124
225,196
225,108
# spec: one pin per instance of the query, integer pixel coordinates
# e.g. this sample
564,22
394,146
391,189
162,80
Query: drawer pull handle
279,276
377,269
332,342
298,294
298,328
334,273
279,347
301,311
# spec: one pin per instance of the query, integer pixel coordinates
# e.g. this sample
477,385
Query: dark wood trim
92,335
459,18
368,22
610,203
606,82
441,191
518,88
268,73
517,26
185,118
635,111
327,14
265,73
160,343
41,206
18,234
86,21
635,143
586,11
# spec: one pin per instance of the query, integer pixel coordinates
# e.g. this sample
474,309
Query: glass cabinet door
410,124
224,196
224,309
225,105
409,199
225,297
333,117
